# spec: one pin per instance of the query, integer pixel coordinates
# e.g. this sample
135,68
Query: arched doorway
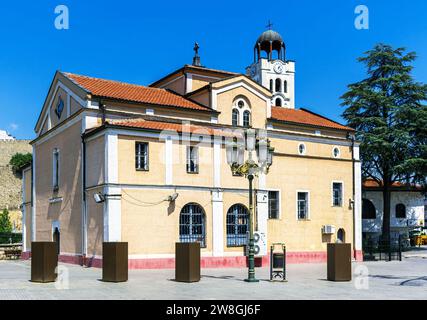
341,235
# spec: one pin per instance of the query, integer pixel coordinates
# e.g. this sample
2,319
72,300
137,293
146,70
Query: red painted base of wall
206,262
358,255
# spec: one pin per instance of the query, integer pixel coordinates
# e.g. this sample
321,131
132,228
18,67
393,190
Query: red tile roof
132,93
178,127
371,183
303,116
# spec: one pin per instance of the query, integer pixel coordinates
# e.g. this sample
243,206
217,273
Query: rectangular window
55,169
192,159
141,156
337,194
273,204
302,205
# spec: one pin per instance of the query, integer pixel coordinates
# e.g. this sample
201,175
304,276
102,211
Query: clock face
278,67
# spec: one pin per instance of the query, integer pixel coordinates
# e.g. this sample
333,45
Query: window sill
189,172
143,170
307,219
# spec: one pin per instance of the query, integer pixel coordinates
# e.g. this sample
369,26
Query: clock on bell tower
272,70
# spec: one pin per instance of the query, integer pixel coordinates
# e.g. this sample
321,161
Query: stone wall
10,184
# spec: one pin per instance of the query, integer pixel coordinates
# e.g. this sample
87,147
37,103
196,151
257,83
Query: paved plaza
385,280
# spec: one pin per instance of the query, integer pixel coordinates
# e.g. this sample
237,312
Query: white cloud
13,126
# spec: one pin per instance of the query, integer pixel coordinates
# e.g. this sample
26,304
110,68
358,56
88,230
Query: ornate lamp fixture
250,168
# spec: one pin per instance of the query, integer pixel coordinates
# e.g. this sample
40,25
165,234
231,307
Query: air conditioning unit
260,244
328,229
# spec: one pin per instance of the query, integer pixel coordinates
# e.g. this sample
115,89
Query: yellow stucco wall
95,158
126,157
68,211
152,226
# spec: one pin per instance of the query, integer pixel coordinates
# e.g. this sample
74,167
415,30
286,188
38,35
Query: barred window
192,224
337,194
273,204
192,159
141,156
302,205
237,226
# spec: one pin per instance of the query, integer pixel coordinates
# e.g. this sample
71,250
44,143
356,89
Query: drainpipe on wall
353,162
84,220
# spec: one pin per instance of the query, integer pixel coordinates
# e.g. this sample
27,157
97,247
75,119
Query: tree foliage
20,160
5,224
389,113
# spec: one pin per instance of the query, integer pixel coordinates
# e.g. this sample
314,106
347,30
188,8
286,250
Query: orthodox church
147,165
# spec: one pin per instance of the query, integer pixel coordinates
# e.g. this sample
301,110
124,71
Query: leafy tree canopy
5,224
20,160
389,113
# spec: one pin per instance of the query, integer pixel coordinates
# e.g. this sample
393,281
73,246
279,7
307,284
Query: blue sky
140,41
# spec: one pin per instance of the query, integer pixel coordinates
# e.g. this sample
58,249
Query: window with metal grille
273,204
192,159
237,226
192,224
302,205
235,116
400,211
337,194
141,156
246,118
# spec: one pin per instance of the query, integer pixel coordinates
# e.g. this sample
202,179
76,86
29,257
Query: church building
147,165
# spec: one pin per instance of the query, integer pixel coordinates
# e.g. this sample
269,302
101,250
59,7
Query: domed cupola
270,41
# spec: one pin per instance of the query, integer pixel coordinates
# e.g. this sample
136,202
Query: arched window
192,224
341,235
400,211
278,102
368,210
237,225
271,85
235,120
285,86
278,85
246,118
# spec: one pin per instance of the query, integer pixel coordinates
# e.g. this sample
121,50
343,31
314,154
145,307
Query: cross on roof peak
269,25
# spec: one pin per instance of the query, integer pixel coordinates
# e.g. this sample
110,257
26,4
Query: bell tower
271,69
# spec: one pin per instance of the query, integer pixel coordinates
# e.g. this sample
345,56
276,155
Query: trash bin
278,260
115,261
44,261
187,262
339,261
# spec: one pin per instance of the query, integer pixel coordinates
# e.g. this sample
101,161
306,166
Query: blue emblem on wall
59,108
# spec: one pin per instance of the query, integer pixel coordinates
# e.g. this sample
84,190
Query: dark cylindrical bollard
44,261
115,261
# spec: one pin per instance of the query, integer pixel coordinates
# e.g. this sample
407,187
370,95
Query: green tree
19,160
388,111
5,224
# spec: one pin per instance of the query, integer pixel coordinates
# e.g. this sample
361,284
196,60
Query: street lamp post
250,168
